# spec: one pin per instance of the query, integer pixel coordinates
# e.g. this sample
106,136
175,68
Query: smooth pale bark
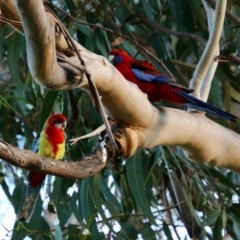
211,17
142,125
208,57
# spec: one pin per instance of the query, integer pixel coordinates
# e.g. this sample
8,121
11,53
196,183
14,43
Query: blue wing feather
35,144
160,79
150,77
117,60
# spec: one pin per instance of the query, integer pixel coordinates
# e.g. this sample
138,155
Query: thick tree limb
9,12
140,125
80,169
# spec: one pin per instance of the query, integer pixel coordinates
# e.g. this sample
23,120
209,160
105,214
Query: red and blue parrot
49,143
159,87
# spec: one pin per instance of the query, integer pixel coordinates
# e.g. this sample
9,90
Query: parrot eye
118,59
59,120
60,123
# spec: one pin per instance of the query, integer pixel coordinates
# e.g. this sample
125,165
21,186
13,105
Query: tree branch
209,52
140,124
79,169
161,28
41,50
229,14
207,81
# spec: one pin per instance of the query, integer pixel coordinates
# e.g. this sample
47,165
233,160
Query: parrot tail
28,204
198,104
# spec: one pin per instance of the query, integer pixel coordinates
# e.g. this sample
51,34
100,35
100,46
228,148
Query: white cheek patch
111,57
58,125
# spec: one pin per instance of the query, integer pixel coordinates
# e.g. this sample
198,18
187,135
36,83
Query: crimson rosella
49,143
159,87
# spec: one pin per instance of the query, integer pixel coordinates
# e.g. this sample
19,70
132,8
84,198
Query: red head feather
56,119
145,66
54,128
126,57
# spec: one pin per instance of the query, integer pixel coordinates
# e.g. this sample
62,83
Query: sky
7,216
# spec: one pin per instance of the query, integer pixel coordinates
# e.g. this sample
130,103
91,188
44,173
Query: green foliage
146,196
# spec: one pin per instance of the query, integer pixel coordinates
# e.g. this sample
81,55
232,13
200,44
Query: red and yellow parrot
49,143
158,86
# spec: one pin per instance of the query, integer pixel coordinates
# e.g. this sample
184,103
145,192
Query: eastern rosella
159,87
49,143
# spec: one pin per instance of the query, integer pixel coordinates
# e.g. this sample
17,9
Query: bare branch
229,14
41,50
207,80
79,169
141,125
166,30
208,55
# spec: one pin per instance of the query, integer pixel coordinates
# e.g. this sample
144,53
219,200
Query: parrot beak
111,57
61,124
64,124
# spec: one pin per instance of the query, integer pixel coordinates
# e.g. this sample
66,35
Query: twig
14,111
92,87
166,204
162,64
183,64
165,30
12,22
75,112
120,35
